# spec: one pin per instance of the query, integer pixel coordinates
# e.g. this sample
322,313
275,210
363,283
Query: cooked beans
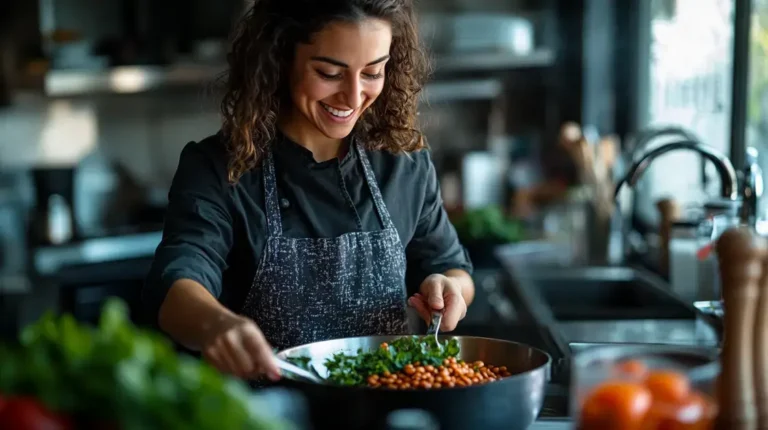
452,373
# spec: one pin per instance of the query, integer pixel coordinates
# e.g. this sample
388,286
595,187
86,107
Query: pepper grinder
761,351
740,254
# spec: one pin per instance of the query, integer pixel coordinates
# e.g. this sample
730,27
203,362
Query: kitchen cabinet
83,289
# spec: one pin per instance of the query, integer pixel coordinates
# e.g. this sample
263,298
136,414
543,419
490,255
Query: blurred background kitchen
533,112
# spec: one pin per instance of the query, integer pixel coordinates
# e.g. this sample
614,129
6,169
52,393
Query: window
689,85
757,100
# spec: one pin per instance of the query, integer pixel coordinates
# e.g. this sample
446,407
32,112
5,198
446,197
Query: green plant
120,374
488,224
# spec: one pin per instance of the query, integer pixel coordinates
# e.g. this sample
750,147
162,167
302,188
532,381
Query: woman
296,222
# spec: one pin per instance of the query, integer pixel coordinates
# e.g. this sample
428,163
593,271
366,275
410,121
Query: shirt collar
288,150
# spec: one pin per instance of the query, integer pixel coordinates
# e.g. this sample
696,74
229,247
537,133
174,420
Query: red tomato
633,369
668,386
20,413
616,405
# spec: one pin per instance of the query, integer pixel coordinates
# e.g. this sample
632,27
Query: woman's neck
322,147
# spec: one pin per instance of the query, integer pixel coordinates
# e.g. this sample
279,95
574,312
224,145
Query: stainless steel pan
510,403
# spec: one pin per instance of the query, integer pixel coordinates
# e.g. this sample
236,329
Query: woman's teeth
336,112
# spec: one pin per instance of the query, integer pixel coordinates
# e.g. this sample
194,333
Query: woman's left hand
440,292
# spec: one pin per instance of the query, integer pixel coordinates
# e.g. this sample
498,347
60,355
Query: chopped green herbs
353,370
302,362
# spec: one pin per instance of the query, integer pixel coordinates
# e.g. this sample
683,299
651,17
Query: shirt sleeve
197,235
435,246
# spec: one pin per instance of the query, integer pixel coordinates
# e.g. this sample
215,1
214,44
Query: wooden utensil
609,150
741,254
570,133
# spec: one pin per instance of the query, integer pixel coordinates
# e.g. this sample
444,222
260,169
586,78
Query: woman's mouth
337,115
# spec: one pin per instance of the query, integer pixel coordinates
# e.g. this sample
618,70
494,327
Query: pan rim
544,358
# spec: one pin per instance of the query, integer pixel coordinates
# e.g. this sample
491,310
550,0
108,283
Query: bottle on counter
719,216
684,266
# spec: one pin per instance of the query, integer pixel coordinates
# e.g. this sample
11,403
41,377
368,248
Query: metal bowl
510,403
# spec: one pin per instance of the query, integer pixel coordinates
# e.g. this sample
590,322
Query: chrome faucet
749,191
641,161
752,188
728,180
645,136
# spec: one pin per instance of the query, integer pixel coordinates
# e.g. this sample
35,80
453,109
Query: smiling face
336,77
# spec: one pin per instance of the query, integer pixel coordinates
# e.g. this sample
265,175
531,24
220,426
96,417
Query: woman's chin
337,131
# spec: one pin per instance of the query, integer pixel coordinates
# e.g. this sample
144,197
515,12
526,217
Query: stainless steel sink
603,293
600,303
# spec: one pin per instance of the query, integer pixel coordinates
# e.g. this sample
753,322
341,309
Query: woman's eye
373,75
328,75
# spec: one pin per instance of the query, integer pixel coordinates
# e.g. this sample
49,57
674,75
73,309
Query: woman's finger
226,360
432,292
260,351
213,357
241,358
453,313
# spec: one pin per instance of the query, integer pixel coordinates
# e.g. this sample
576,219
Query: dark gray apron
307,290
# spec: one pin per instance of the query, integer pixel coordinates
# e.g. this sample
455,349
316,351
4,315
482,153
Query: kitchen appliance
482,180
510,403
53,219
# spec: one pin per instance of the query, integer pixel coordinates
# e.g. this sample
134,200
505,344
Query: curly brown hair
263,47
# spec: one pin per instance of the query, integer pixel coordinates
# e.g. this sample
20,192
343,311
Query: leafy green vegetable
302,362
354,369
488,224
119,373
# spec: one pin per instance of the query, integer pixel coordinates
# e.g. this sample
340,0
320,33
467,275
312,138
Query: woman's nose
354,93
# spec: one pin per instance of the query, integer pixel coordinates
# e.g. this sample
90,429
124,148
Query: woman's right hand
238,347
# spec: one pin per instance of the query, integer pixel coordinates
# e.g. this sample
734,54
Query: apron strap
274,221
370,178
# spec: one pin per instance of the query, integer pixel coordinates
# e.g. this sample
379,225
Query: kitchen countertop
48,260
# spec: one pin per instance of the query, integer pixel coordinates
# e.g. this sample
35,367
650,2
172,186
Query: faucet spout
728,179
646,136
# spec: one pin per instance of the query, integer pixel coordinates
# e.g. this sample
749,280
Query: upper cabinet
91,34
127,46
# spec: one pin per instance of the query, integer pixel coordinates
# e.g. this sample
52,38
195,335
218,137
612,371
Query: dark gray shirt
215,233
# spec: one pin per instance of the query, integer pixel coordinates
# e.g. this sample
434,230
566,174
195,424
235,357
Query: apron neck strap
271,203
373,186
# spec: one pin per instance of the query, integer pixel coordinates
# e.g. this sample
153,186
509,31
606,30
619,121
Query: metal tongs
434,326
295,370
